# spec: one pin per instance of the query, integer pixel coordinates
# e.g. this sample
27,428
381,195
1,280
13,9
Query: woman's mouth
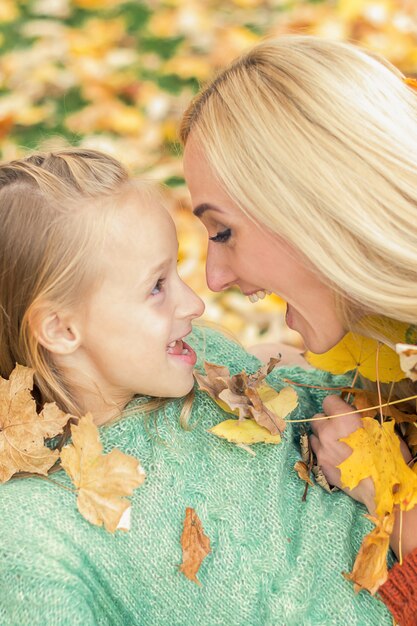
182,351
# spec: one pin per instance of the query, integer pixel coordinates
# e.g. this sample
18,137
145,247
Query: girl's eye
222,236
158,287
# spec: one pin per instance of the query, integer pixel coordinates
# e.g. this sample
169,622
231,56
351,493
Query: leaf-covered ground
116,75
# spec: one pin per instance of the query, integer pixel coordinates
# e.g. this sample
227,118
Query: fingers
334,405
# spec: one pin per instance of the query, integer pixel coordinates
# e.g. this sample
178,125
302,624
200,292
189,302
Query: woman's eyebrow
205,206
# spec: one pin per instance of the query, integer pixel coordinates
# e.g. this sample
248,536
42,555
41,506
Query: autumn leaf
376,454
247,396
355,352
195,545
22,430
310,460
408,359
245,431
364,400
102,480
410,437
370,567
303,472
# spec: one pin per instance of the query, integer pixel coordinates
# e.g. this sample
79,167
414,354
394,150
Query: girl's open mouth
181,350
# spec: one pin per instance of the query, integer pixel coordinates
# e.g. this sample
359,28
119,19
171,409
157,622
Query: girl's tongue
177,348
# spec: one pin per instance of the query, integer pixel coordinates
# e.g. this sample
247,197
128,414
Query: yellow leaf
357,352
370,567
376,454
102,481
245,431
22,430
282,403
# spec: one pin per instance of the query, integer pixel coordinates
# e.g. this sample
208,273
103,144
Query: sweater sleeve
399,592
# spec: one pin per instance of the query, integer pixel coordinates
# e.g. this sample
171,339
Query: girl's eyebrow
205,206
155,271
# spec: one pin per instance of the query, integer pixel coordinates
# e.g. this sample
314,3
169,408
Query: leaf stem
55,482
369,408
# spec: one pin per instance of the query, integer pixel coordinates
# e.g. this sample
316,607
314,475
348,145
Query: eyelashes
158,287
222,236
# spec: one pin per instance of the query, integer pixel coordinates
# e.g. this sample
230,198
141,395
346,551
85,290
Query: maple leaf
248,396
195,545
370,567
408,359
376,454
22,430
245,431
102,480
355,352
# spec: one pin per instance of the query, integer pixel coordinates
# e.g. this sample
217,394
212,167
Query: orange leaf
195,545
370,567
102,480
303,472
22,430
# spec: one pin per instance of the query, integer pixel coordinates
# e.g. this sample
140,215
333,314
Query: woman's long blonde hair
317,141
53,211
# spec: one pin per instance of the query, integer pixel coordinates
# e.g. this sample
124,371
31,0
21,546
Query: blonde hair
52,215
317,141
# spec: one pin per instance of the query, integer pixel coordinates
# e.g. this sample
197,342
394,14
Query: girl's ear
55,330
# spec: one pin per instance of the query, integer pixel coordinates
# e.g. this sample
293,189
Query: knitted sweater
275,559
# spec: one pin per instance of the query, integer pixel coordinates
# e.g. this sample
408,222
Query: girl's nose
194,306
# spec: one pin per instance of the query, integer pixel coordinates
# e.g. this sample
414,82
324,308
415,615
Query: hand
330,452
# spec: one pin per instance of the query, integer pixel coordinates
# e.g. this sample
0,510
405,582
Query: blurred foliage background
116,75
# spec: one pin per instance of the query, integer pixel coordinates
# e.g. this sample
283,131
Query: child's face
140,308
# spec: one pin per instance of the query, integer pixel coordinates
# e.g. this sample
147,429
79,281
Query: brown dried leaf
215,380
410,437
303,472
309,459
365,399
102,481
22,430
195,545
248,396
370,567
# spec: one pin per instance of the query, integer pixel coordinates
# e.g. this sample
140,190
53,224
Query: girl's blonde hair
53,209
317,141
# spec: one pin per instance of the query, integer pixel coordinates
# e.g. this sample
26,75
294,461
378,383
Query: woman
301,159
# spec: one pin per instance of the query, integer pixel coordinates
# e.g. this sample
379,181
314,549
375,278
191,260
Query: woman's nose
218,274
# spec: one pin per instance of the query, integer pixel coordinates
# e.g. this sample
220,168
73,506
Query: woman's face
243,253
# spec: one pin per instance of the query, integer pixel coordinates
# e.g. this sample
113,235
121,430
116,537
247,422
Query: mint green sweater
275,560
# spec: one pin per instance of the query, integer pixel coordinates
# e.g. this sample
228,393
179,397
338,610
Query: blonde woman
90,298
301,160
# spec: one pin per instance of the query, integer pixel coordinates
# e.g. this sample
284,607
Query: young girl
301,158
91,299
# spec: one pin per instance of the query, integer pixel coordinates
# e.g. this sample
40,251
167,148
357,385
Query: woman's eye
222,236
158,287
